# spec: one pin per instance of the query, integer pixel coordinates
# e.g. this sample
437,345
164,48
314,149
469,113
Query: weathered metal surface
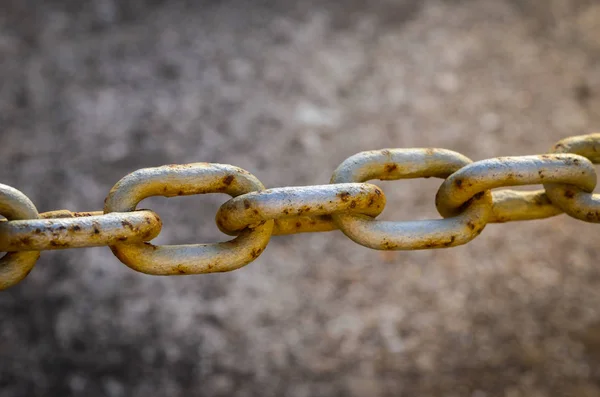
465,200
485,175
299,209
76,231
393,164
578,202
587,146
512,205
15,266
179,180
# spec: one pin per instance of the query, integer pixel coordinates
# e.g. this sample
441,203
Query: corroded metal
390,164
65,229
15,266
299,209
578,202
587,146
482,176
464,199
513,205
179,180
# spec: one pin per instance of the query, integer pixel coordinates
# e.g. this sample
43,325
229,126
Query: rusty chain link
465,201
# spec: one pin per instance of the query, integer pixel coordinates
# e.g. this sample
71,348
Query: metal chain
465,201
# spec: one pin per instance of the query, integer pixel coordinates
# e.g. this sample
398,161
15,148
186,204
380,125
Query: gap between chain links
465,200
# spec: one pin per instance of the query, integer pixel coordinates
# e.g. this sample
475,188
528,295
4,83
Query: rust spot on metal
344,196
303,209
298,224
353,204
449,243
541,174
471,225
129,225
391,167
38,231
82,214
96,230
180,193
76,228
164,189
62,228
286,211
326,218
255,211
371,201
154,247
256,252
479,195
458,183
569,193
246,204
228,180
123,238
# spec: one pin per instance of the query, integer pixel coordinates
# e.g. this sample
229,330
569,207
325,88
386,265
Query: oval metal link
392,164
577,202
488,174
78,231
15,266
179,180
298,209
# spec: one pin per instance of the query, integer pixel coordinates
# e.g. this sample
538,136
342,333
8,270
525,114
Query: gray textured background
90,91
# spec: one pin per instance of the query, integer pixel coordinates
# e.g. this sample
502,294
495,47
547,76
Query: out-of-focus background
93,90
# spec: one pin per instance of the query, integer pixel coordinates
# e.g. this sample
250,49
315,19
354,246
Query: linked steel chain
464,200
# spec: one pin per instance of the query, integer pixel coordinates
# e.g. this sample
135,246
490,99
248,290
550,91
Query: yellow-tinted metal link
579,202
391,164
299,209
180,180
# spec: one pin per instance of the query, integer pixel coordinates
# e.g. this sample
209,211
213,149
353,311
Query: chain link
577,201
465,200
392,164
